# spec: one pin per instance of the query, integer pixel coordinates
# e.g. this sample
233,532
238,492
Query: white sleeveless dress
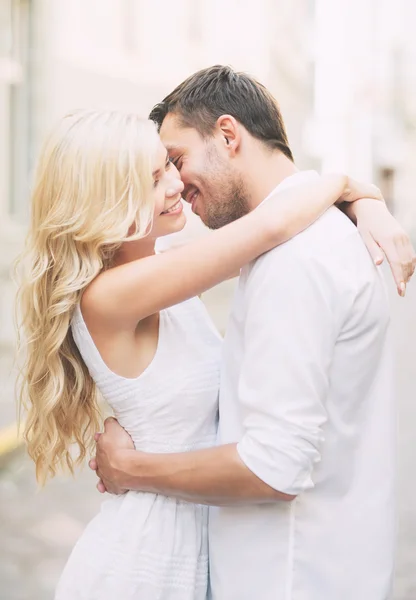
145,546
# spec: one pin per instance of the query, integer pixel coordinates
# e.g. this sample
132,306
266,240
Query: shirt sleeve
289,339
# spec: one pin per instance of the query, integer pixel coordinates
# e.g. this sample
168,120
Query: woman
104,316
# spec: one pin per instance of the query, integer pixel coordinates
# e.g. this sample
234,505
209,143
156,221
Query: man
303,477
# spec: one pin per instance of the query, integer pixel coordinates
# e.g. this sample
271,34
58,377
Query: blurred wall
60,55
342,71
365,95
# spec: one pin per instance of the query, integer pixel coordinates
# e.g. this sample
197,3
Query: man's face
213,185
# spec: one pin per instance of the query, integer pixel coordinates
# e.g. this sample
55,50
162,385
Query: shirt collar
295,179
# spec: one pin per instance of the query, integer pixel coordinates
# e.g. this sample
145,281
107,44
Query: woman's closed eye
168,164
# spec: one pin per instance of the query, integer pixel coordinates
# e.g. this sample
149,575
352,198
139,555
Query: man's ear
230,131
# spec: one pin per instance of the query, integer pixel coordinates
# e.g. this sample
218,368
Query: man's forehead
170,131
174,135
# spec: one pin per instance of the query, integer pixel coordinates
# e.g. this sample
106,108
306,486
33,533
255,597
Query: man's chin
205,219
212,224
217,221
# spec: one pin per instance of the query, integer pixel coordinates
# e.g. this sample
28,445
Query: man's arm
290,331
215,476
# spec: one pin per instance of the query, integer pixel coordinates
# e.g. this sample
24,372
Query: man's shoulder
325,241
329,256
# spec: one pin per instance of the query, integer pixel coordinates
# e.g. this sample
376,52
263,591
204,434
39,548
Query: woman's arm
383,235
128,293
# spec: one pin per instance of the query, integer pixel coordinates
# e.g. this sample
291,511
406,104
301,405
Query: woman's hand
383,234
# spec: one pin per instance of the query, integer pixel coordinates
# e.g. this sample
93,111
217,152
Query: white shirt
306,392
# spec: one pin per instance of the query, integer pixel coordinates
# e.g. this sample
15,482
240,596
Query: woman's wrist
365,208
342,181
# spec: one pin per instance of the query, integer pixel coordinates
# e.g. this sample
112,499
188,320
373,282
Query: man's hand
111,449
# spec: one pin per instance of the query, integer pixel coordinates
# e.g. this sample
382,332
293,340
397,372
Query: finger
413,267
373,248
399,277
397,271
101,487
407,271
93,464
411,264
110,422
412,261
405,253
395,259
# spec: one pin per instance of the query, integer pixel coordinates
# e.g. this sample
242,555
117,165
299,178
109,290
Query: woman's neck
130,251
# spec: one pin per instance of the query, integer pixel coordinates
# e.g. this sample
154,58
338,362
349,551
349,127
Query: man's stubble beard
225,194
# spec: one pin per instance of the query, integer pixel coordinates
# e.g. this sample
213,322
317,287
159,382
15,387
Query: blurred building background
365,95
343,72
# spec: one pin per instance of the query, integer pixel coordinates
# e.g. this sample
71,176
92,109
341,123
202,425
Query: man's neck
265,172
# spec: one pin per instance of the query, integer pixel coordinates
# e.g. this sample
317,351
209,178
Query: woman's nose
175,188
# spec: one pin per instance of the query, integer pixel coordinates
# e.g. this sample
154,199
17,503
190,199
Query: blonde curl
91,185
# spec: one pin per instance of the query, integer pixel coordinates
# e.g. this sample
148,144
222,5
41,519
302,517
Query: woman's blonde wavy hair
91,185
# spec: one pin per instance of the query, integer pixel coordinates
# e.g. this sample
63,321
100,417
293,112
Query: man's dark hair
206,95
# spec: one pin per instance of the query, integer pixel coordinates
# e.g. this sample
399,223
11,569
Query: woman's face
167,194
